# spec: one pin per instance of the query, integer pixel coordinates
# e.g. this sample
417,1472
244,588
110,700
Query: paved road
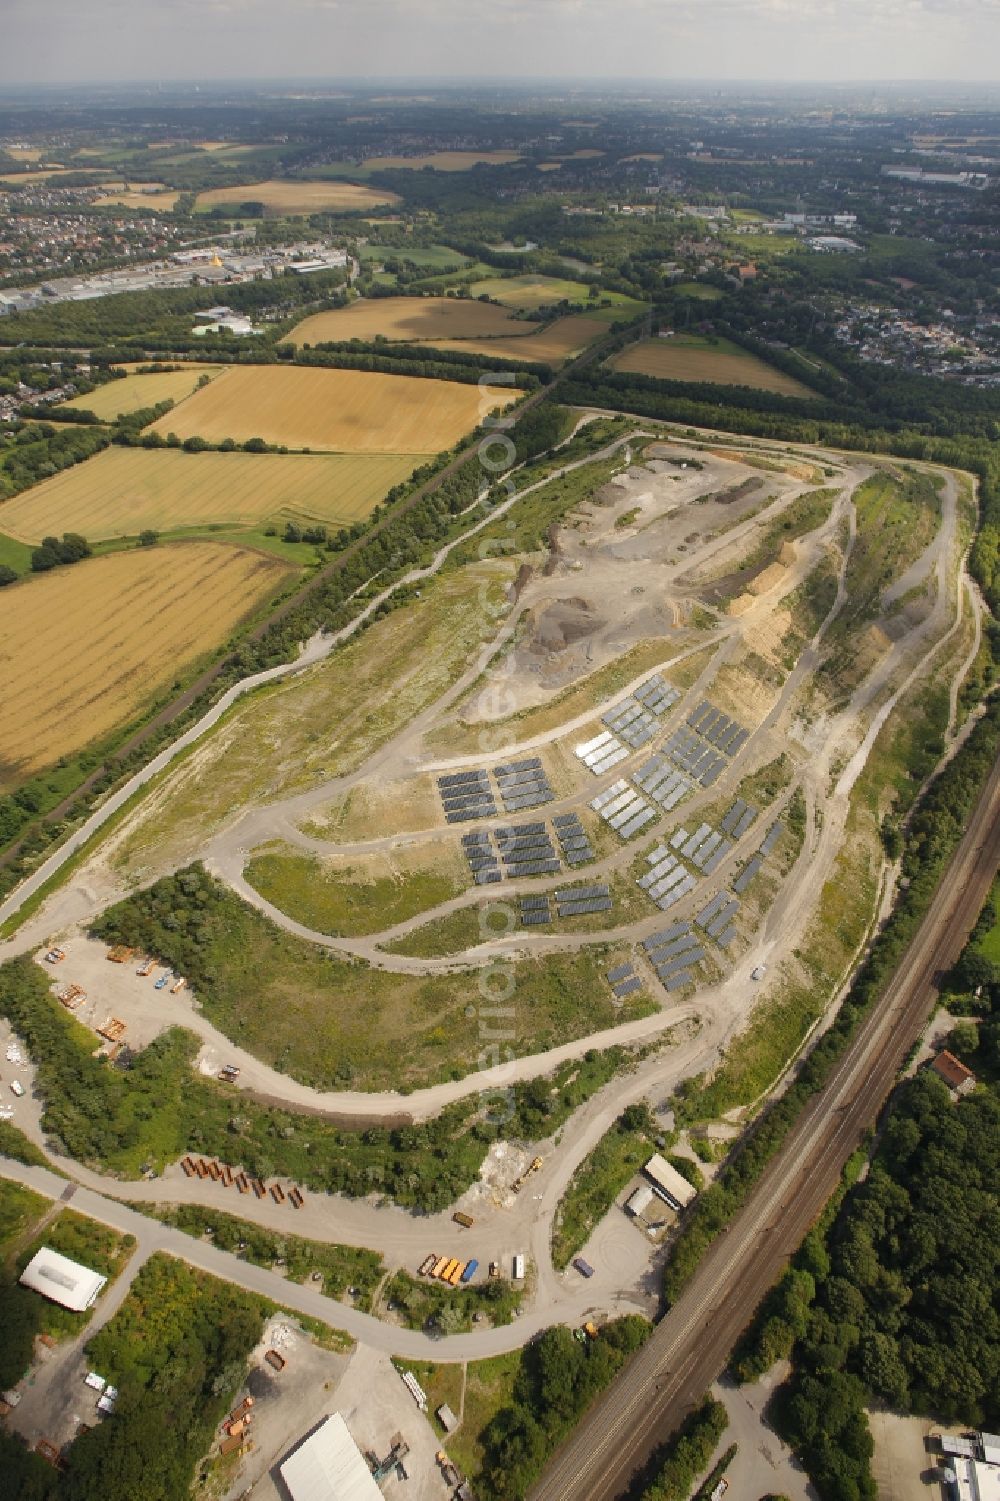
691,1344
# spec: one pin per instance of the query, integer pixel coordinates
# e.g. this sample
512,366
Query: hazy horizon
51,42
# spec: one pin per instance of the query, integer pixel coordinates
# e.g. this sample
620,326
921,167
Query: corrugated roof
63,1281
329,1466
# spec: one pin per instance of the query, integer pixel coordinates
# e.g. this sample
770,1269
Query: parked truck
470,1270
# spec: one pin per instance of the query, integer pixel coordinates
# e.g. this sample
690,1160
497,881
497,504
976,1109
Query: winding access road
690,1346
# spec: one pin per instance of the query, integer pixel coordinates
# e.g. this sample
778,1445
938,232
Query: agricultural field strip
345,411
665,360
85,648
138,391
121,491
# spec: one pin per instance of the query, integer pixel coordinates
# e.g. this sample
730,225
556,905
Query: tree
148,538
7,576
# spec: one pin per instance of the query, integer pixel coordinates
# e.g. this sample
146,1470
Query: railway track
689,1347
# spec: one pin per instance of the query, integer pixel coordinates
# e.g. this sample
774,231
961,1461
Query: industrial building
668,1183
329,1466
62,1281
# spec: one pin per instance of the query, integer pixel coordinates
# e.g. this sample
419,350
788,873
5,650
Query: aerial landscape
499,784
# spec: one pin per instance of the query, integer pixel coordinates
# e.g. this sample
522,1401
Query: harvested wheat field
130,198
689,358
287,197
83,649
554,345
343,411
443,161
138,391
122,491
408,318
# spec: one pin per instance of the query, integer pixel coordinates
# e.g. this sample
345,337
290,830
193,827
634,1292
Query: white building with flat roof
669,1183
329,1466
63,1281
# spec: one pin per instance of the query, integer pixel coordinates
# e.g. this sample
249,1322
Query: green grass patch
804,515
336,1267
346,901
600,1178
329,1021
19,1209
15,555
452,934
699,291
489,1388
15,1145
422,1303
443,1387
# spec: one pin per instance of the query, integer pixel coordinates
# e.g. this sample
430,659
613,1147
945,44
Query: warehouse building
329,1466
62,1281
668,1183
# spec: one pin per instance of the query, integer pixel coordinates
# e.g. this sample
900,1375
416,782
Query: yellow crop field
408,318
122,491
443,161
30,177
690,360
138,391
129,198
287,197
550,346
345,411
82,649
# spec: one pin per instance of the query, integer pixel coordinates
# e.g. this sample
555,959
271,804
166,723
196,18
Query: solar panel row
663,782
539,901
580,909
534,868
626,987
713,907
717,728
721,922
535,919
620,972
462,778
683,977
533,763
657,940
747,874
771,838
478,810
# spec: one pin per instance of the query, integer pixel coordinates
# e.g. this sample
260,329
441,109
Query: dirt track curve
689,1347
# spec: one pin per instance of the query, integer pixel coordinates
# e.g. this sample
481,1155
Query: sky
125,41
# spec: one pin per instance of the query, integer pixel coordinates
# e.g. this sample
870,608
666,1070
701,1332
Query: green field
134,392
533,291
358,898
331,1022
434,257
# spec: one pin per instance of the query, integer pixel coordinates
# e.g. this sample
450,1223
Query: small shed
639,1202
447,1418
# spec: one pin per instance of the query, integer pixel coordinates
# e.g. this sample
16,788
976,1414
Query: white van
16,1087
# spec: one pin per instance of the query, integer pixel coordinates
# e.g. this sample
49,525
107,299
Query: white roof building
669,1183
640,1201
63,1281
985,1480
329,1466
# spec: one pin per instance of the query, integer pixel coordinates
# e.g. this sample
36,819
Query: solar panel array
739,818
483,863
466,795
572,836
527,850
717,918
601,753
576,901
535,911
717,728
667,880
623,809
634,719
523,784
692,755
661,781
705,849
623,981
673,953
